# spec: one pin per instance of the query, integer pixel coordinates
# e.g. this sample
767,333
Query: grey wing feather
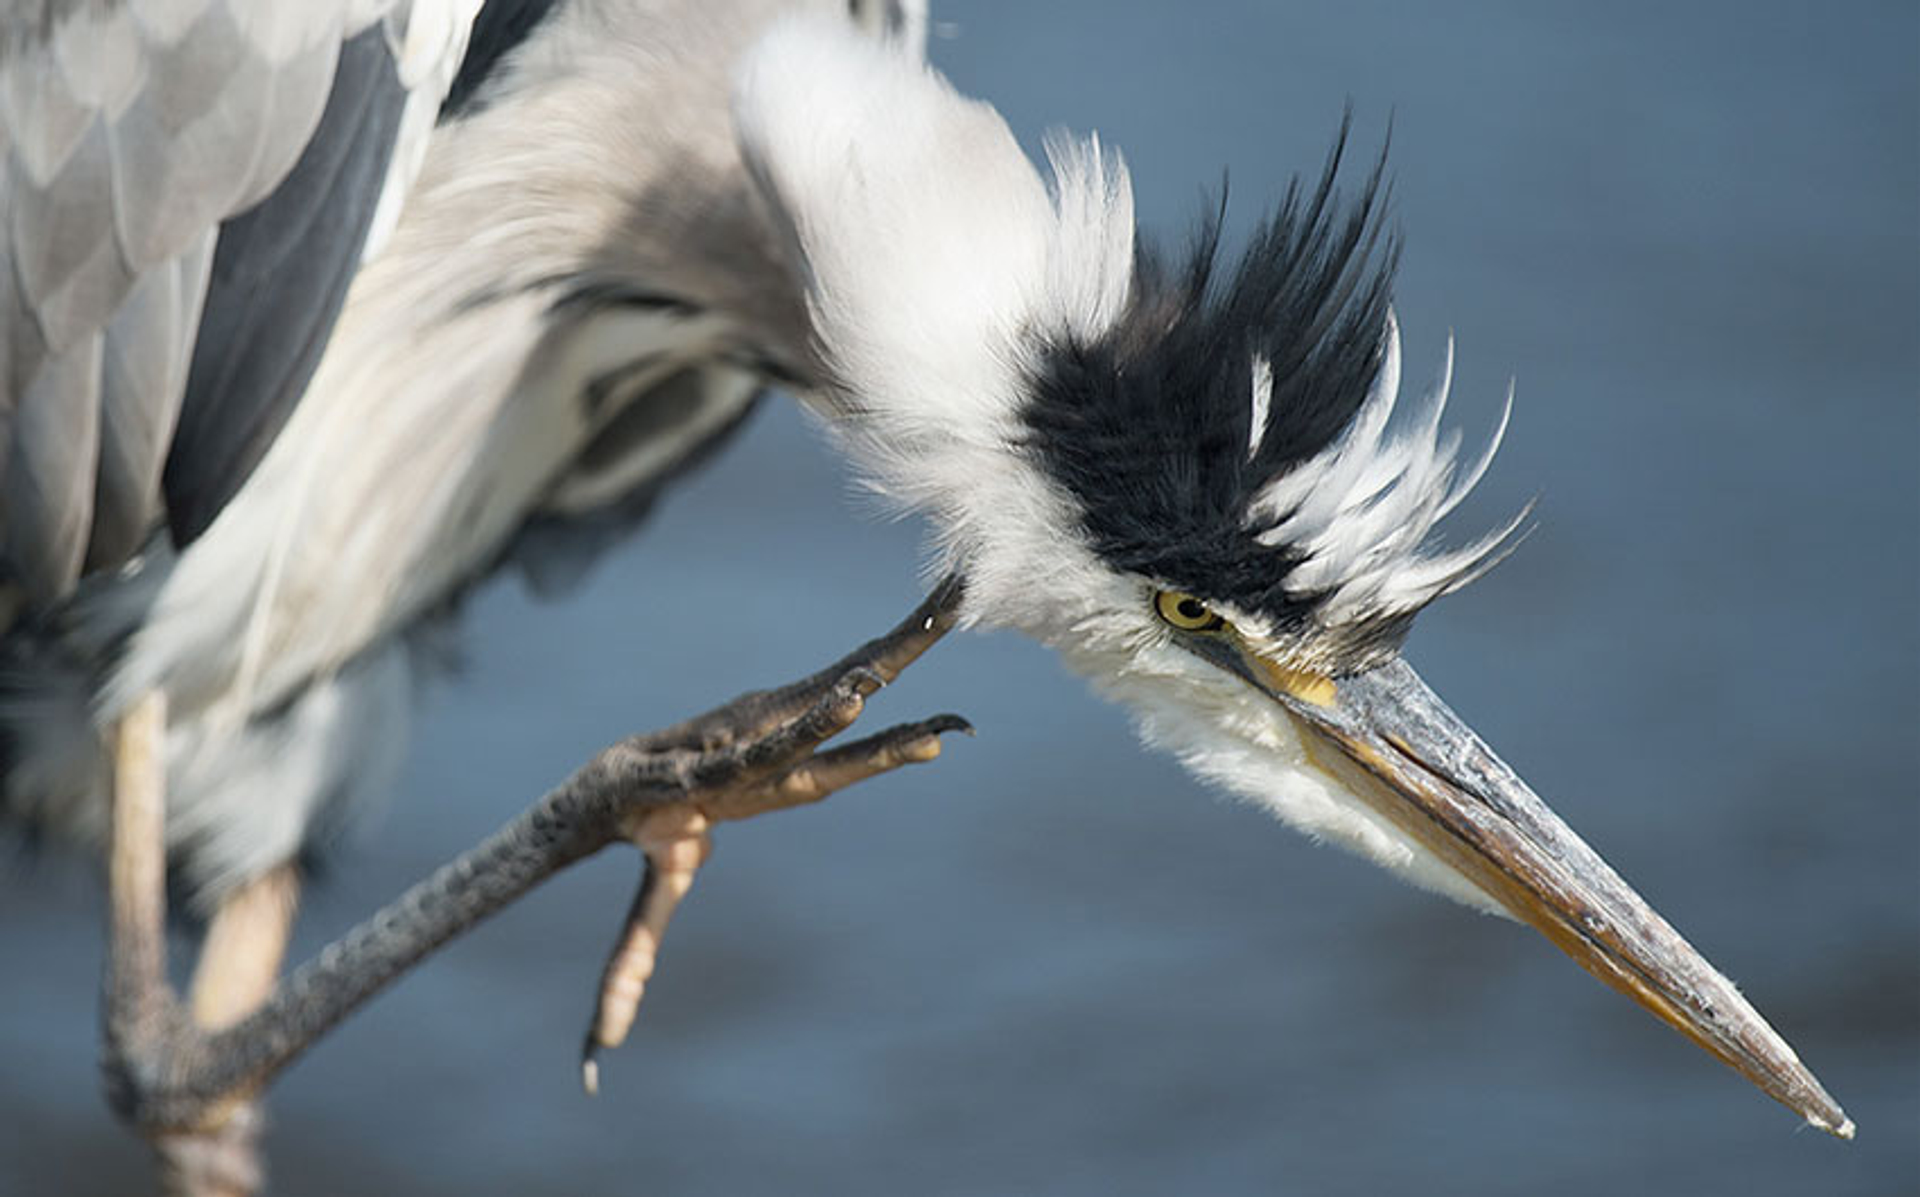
55,435
144,357
128,132
280,276
192,150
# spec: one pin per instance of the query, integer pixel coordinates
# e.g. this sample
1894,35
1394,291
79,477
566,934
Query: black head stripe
1149,428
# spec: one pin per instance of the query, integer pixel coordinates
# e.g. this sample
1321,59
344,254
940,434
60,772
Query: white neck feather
938,262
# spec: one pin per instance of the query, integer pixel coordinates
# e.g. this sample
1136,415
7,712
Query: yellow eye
1186,612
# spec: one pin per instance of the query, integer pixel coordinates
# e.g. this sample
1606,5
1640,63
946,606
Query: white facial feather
1262,404
1362,511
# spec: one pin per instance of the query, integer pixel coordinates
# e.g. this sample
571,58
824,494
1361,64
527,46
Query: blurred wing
128,135
501,27
280,274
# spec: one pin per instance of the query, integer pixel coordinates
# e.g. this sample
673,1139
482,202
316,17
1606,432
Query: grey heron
1078,536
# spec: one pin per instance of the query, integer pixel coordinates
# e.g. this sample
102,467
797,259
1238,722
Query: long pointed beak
1399,749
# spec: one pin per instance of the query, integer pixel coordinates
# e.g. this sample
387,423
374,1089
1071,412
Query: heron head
1187,479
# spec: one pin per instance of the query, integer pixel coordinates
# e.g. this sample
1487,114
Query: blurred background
1053,964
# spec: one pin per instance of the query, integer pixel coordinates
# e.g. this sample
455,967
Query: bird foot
760,753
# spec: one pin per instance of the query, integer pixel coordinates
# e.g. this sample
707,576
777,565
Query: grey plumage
582,298
130,132
144,368
280,274
175,176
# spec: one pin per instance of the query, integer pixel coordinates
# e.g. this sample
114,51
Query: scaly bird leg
141,1008
752,755
218,1155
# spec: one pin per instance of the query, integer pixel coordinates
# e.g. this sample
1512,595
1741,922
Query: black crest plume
1149,428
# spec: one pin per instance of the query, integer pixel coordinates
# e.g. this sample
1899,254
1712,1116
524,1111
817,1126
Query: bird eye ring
1186,612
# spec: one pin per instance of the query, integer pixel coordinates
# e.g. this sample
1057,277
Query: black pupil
1192,608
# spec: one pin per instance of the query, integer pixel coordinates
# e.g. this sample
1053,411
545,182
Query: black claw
941,724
